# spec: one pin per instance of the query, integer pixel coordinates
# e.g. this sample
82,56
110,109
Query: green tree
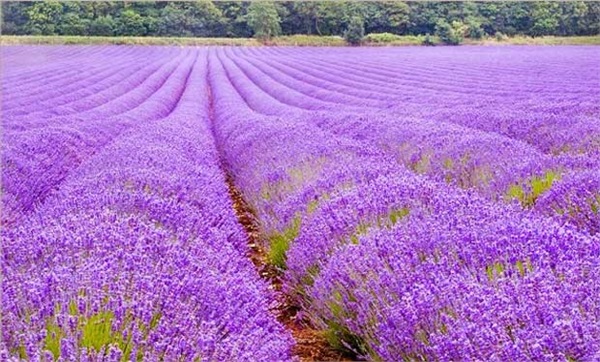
547,18
73,24
14,18
356,31
572,18
264,19
131,23
234,18
97,9
335,16
210,20
474,29
515,18
428,40
451,34
103,26
200,18
43,18
304,18
423,17
267,19
173,21
591,21
387,17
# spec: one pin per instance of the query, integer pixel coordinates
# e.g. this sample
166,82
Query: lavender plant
421,204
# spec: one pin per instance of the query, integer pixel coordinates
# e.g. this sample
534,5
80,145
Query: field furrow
156,266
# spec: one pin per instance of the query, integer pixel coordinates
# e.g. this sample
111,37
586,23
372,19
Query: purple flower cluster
576,199
422,204
410,121
392,220
130,248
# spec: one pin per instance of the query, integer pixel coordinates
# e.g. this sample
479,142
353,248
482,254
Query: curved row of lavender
411,122
379,178
398,265
119,240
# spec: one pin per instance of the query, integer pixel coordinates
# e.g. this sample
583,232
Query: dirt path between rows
311,344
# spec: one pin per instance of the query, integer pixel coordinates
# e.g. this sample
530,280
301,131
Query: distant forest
246,19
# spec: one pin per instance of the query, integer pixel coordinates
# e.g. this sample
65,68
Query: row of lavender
351,226
419,117
42,147
119,240
398,265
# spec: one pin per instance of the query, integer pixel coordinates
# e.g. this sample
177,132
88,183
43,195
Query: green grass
280,243
292,40
338,335
498,270
383,39
542,40
387,39
307,40
53,336
422,165
388,220
95,332
535,187
123,40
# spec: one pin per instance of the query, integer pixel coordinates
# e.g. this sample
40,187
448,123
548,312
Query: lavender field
418,204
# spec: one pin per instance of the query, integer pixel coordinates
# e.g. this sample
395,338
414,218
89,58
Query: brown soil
311,344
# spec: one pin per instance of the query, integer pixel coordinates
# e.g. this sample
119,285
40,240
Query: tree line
268,19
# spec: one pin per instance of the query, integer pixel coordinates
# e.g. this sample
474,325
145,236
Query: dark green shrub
428,40
382,38
264,20
72,24
500,37
130,23
355,32
510,31
103,26
451,34
475,31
